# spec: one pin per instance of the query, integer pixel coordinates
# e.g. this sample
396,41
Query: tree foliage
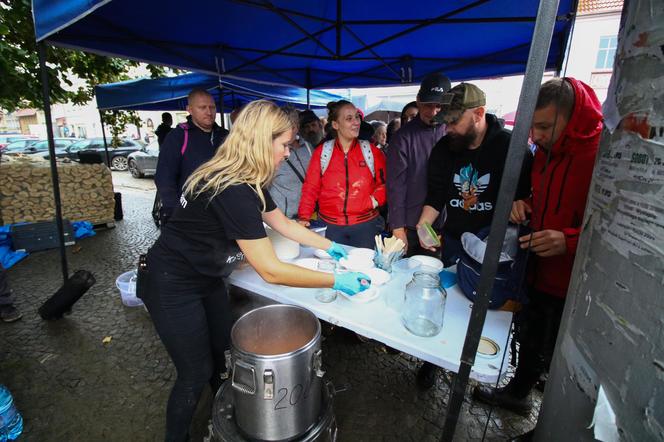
20,81
117,121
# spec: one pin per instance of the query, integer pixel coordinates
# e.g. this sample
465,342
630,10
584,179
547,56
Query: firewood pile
26,191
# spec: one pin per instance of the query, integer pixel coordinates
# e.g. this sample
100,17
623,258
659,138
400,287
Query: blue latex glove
337,252
351,283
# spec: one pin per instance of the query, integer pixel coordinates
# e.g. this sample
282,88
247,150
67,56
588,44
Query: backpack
509,284
328,147
156,206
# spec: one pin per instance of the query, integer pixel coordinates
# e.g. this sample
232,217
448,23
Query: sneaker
426,376
9,313
502,397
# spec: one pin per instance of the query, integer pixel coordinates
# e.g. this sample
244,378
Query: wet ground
71,386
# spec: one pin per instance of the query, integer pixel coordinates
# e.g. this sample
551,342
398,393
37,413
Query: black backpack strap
297,172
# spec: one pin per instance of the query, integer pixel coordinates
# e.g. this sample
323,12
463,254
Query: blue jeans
192,318
356,235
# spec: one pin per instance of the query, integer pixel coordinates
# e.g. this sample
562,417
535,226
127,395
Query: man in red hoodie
566,128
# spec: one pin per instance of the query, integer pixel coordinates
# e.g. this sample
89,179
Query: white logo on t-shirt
470,186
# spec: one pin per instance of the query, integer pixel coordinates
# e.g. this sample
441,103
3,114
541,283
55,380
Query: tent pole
308,88
539,50
221,106
41,49
103,134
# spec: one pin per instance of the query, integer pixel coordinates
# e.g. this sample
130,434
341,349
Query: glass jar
424,305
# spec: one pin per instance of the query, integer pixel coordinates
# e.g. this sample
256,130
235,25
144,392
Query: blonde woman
219,223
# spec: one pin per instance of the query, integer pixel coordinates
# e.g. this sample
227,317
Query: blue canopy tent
311,44
170,93
335,43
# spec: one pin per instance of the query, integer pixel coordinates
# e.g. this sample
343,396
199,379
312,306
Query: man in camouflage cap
465,169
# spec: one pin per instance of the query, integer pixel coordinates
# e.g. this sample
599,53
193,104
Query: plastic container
126,283
11,422
435,265
427,235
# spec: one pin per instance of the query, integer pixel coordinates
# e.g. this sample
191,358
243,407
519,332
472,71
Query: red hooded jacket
344,192
560,189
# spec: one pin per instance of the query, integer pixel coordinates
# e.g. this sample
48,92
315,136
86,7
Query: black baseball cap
433,87
307,116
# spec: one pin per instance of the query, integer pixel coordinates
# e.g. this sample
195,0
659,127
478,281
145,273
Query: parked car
13,138
144,161
35,146
93,148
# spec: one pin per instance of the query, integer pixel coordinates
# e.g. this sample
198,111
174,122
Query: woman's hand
336,251
351,283
303,222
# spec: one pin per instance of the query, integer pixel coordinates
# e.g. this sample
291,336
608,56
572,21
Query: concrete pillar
612,335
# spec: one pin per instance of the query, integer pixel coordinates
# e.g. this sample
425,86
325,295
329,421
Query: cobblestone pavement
70,386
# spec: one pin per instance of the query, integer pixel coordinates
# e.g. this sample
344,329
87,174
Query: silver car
144,162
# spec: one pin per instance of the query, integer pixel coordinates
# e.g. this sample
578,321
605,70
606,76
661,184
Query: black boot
503,397
426,376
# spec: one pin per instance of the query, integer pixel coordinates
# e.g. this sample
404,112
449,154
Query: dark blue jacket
174,167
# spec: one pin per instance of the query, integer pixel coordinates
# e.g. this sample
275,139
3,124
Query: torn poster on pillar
580,370
636,227
633,160
604,419
628,193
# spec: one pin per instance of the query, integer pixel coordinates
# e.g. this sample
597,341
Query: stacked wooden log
26,191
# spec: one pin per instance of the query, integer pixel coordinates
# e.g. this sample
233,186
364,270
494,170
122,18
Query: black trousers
192,318
539,322
6,295
356,235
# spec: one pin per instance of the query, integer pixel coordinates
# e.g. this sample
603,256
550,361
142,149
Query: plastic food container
126,283
428,261
428,236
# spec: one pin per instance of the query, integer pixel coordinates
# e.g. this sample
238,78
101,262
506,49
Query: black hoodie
466,183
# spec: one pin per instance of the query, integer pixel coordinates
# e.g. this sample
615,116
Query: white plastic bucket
126,283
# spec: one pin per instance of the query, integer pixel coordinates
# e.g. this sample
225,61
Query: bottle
11,422
424,305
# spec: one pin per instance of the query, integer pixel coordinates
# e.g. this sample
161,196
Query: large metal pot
224,428
276,372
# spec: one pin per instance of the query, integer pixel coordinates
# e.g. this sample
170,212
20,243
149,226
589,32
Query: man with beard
311,128
465,169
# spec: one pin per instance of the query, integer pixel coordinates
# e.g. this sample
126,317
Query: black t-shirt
466,183
200,238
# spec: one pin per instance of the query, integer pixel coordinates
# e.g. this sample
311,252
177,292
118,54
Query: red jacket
344,192
560,189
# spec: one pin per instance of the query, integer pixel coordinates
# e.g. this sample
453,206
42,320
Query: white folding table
377,321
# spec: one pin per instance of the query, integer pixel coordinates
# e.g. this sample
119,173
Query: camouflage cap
460,98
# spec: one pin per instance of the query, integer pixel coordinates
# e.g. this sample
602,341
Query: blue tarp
170,93
312,44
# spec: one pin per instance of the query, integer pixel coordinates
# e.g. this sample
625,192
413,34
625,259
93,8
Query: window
606,52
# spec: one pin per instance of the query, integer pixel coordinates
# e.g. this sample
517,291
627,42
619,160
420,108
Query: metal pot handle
243,388
317,363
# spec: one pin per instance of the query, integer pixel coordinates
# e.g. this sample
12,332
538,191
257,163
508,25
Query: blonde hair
246,156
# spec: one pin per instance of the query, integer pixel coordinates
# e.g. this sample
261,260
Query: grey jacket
286,188
407,159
